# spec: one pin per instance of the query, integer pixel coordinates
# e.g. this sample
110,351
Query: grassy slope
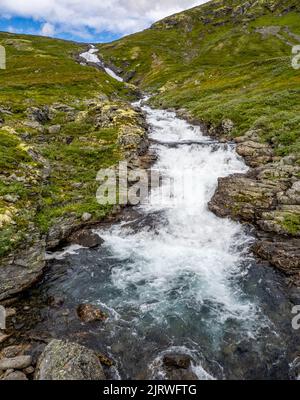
212,61
40,72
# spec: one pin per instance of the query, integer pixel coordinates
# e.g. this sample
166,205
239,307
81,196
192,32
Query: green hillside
224,59
59,124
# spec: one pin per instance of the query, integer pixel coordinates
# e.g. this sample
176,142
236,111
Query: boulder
178,367
86,238
63,360
21,270
177,360
86,217
283,253
54,129
19,362
15,376
40,115
90,313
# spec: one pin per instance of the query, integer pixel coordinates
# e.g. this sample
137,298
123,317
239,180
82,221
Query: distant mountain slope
224,59
228,65
60,122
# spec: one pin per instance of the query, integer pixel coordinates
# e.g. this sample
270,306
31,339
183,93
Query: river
175,278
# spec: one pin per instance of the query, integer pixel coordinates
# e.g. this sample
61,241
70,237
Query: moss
291,223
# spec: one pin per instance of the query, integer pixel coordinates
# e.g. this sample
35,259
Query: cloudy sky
86,20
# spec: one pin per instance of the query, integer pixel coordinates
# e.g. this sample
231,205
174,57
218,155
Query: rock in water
63,360
90,313
86,238
178,367
177,361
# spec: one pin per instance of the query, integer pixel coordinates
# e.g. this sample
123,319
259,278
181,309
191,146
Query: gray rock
86,217
11,198
63,360
61,230
227,125
40,115
19,362
54,129
23,269
15,376
177,360
86,238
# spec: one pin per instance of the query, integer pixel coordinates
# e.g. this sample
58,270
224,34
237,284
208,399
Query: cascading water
173,277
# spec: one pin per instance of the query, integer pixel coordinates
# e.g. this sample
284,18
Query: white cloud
47,29
117,16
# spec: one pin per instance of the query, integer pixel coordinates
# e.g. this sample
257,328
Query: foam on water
91,57
191,252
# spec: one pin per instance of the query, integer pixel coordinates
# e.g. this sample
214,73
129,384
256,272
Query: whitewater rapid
91,57
173,277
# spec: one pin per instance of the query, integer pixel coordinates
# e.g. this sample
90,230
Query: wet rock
63,360
15,376
177,360
55,301
283,253
19,362
61,230
86,238
181,375
90,313
178,367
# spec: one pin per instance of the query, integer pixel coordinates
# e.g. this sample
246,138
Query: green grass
42,72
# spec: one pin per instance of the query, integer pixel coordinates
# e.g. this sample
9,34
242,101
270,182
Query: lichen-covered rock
242,197
21,270
40,115
90,313
61,229
63,360
255,153
268,197
283,253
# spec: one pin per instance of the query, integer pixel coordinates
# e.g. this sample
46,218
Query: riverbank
172,281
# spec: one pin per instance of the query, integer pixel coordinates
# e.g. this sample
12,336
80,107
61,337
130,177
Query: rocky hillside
228,66
60,122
